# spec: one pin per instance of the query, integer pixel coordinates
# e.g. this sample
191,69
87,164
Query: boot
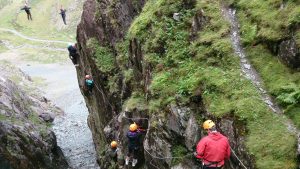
127,161
134,161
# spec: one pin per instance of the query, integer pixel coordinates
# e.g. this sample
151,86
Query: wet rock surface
25,140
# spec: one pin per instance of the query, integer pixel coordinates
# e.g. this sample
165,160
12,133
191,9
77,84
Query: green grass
45,15
180,67
3,48
178,151
46,24
282,82
103,56
136,101
267,19
44,56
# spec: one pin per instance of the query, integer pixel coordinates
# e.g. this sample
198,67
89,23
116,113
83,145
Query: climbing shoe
134,161
127,161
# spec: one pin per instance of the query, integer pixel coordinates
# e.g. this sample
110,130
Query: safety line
238,158
103,95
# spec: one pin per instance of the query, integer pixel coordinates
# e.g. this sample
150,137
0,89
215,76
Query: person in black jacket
27,10
134,136
63,14
73,53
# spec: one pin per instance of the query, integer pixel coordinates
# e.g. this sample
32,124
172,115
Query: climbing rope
238,158
103,95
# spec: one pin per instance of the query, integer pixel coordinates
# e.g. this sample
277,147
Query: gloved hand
195,154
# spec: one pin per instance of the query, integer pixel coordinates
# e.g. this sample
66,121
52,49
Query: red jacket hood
215,136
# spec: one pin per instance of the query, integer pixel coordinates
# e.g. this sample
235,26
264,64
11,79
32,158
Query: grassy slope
181,67
47,22
266,21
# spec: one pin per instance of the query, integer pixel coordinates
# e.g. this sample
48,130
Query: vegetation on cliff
165,61
182,63
264,25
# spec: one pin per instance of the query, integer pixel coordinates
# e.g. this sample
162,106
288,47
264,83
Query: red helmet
87,76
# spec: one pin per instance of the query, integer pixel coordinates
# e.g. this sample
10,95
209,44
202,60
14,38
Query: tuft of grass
136,101
145,18
272,18
103,56
178,151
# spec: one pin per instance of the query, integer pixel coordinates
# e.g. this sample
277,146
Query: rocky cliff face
289,53
25,138
128,51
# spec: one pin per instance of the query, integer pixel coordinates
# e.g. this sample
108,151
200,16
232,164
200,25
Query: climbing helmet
208,124
113,144
133,127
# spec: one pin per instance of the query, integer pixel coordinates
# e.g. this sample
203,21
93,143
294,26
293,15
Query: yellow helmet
133,127
208,124
113,144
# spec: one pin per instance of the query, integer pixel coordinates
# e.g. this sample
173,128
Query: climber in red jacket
214,148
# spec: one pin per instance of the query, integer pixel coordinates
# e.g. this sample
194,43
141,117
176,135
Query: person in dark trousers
63,14
134,136
73,53
27,10
89,83
213,149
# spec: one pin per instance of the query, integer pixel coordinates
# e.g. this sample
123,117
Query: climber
134,136
214,148
27,10
63,14
89,83
110,157
113,150
73,53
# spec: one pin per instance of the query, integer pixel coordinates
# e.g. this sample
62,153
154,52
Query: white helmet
70,44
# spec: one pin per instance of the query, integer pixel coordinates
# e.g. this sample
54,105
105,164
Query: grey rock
47,117
176,16
192,133
289,53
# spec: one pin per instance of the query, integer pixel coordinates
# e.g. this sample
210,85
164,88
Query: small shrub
103,56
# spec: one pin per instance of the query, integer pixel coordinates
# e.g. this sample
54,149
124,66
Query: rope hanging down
238,158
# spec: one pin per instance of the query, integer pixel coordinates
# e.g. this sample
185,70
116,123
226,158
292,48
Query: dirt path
10,46
32,39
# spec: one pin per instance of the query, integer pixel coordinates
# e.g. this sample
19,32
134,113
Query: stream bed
250,72
72,132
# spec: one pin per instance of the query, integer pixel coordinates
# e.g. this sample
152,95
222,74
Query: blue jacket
89,83
133,139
